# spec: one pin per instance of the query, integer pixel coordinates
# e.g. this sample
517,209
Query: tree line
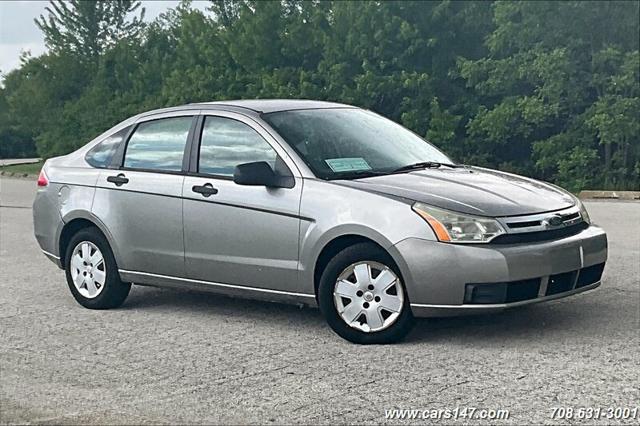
548,89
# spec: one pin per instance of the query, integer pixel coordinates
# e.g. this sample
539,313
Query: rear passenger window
101,155
158,144
225,143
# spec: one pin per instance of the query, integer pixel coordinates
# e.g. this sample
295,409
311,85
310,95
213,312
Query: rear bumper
440,278
52,257
46,221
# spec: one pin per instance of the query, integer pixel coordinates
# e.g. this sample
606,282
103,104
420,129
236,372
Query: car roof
274,105
253,106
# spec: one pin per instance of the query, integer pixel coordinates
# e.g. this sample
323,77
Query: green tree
544,88
550,73
79,34
87,27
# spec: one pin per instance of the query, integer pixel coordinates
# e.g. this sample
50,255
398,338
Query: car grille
537,236
541,226
566,219
517,291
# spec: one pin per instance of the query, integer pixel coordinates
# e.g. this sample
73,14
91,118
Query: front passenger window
225,143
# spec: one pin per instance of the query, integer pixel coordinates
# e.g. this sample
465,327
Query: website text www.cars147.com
462,413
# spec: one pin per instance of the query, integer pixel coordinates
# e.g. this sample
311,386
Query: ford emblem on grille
553,221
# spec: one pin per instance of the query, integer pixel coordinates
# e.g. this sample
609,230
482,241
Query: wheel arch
76,221
341,242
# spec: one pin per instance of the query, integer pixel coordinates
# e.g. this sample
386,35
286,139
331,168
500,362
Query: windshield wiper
356,174
422,165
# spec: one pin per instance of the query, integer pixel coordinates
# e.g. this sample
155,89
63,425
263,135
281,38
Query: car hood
470,190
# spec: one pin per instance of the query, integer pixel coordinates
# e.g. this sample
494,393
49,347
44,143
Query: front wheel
92,273
362,296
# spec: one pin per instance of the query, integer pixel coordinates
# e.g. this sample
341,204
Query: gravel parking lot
169,356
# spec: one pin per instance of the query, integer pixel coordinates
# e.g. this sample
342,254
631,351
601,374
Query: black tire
358,253
115,291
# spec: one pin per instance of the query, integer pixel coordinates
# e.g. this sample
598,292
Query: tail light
43,180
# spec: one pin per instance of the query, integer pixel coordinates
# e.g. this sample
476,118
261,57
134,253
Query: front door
236,234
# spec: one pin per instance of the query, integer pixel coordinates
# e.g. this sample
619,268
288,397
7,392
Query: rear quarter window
100,156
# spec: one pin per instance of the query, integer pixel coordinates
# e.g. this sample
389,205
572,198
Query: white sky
19,33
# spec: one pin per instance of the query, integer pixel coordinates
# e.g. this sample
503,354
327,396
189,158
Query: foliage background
545,89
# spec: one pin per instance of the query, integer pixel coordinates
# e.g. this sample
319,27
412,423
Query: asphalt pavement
170,356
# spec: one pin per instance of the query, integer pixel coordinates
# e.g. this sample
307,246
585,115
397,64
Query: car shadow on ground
167,300
515,324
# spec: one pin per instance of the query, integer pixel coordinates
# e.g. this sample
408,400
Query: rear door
140,200
236,234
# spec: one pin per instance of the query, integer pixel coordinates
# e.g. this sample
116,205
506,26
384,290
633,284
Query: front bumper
440,276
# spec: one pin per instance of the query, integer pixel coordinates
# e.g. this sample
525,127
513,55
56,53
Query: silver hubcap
88,270
368,296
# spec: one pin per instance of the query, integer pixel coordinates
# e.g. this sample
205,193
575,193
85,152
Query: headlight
583,211
458,228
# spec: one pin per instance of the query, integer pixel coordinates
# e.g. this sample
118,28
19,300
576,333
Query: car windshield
345,143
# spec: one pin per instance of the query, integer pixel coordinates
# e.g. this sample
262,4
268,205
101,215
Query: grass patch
20,169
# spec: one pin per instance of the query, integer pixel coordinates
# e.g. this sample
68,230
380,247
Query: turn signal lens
43,180
452,227
438,228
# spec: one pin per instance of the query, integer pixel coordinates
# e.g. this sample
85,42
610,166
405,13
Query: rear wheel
362,296
92,274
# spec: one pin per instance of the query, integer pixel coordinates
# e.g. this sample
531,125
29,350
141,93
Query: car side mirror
260,173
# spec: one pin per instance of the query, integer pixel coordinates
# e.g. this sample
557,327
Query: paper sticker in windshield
347,164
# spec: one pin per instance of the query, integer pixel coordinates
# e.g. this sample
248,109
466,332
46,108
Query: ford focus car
308,202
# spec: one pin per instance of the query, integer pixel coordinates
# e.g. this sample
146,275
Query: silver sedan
308,202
